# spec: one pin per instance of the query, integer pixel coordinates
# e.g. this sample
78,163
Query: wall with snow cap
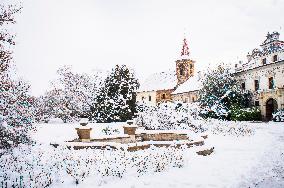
144,97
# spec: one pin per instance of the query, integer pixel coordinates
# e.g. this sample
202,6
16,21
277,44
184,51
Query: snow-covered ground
238,161
61,132
255,161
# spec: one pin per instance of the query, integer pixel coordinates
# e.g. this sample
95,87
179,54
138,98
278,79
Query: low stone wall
122,140
163,136
142,147
135,147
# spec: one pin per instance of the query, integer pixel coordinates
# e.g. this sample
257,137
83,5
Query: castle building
263,74
179,85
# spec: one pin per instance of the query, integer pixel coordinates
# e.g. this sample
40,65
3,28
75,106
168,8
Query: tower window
264,61
181,71
256,85
275,58
164,96
270,83
150,98
191,66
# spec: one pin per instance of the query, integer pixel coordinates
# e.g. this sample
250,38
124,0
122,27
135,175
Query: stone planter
130,129
84,134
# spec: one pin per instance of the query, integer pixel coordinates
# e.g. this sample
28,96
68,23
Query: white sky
146,35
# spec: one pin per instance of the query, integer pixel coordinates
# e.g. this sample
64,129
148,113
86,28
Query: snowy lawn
66,132
237,161
255,161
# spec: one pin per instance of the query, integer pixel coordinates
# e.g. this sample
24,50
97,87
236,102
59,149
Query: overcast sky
146,35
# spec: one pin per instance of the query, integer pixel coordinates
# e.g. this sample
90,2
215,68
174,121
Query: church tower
184,65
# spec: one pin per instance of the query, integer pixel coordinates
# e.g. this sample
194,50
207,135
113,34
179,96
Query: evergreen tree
221,92
117,98
16,105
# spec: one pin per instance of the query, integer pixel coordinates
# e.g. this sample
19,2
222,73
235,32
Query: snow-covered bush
73,96
246,114
42,166
110,130
166,116
221,127
233,129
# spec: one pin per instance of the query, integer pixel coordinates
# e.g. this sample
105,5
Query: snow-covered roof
159,81
192,84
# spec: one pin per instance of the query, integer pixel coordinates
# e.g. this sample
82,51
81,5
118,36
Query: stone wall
149,97
164,95
163,137
263,94
188,97
122,140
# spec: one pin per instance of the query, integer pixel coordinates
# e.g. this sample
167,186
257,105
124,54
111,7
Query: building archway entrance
271,106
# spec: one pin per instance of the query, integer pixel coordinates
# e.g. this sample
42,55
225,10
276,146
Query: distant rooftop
192,84
159,81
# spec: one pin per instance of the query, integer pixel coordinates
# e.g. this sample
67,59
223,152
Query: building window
275,58
256,85
143,98
264,61
243,86
186,100
150,98
191,66
164,96
270,83
193,99
256,103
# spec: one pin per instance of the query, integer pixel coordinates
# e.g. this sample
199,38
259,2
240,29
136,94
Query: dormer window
275,58
264,61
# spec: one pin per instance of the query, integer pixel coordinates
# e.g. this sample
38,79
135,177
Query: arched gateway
271,106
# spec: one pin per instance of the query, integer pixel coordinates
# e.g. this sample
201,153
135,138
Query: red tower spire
185,49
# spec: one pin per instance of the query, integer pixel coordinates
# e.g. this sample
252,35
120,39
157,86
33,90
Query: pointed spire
185,49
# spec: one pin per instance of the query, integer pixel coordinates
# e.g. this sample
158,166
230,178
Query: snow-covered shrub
42,166
233,128
167,116
246,114
110,130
